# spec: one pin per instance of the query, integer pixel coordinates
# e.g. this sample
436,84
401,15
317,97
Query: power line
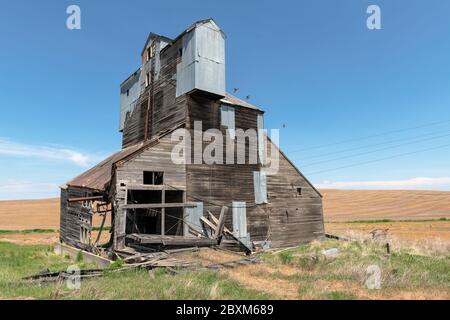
373,151
370,146
371,136
380,159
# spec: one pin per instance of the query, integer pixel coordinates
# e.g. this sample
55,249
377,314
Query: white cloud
413,183
10,148
22,190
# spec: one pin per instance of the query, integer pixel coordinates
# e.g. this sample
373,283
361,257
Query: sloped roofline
187,30
99,176
295,167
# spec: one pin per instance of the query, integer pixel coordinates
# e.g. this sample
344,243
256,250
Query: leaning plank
221,222
209,224
216,221
158,205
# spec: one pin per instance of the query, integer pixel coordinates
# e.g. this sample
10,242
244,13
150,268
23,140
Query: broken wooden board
171,240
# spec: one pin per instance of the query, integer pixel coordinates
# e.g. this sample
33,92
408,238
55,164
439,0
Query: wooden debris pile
139,261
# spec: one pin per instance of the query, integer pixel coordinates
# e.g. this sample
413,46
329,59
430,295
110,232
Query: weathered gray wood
171,240
158,205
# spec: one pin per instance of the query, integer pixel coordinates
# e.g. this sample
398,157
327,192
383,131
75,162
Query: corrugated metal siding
239,219
260,186
193,216
203,63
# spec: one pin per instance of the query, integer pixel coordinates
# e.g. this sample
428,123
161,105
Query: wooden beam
85,199
158,205
216,221
153,187
209,224
221,222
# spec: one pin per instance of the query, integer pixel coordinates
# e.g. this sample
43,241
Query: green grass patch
98,228
27,231
339,295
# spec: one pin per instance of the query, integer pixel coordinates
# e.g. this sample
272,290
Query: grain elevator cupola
199,56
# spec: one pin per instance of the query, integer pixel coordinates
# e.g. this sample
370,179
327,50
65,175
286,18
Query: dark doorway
148,220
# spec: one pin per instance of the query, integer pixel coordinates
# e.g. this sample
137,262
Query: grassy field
418,226
298,273
18,261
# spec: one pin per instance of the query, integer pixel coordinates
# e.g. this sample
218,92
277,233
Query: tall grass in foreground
18,261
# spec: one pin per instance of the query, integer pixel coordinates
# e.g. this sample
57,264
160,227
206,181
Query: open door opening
155,221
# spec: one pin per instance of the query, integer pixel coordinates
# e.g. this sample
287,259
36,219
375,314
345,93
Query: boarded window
193,215
227,119
153,177
239,219
260,186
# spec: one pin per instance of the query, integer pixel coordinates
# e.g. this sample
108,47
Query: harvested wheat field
351,205
29,214
40,217
32,214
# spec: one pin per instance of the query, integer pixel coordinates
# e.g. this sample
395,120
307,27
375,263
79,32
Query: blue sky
356,107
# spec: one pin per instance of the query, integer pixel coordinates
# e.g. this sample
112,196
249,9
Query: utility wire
380,159
372,151
371,136
369,146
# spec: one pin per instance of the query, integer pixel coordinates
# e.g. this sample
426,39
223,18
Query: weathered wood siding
167,111
70,215
155,158
221,184
133,131
294,218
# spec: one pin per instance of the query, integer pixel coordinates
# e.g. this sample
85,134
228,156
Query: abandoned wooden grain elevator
150,201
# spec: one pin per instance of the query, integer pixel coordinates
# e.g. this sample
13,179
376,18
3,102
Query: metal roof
232,100
99,176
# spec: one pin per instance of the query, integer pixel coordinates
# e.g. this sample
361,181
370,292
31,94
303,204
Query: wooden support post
221,222
163,212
